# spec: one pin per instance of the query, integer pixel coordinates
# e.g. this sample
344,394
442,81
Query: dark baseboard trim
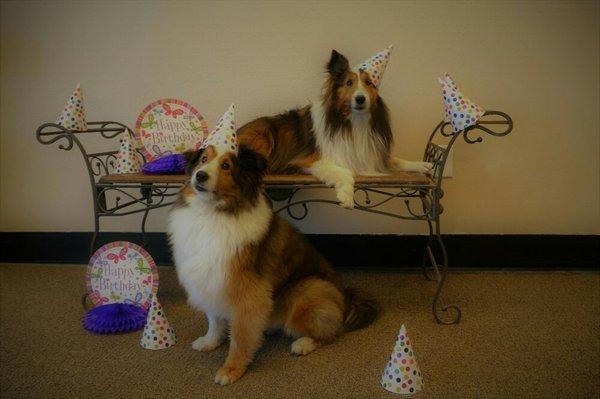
348,252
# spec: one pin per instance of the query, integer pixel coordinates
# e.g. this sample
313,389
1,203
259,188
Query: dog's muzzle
199,178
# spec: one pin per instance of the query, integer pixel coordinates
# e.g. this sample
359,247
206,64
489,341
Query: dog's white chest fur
204,243
355,151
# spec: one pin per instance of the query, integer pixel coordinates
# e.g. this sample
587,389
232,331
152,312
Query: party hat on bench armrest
459,110
402,374
127,160
158,334
375,66
73,115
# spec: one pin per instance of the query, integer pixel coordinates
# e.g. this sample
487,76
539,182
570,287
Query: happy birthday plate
169,126
122,272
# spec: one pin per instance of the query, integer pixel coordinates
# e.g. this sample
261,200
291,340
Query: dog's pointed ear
251,160
191,157
338,64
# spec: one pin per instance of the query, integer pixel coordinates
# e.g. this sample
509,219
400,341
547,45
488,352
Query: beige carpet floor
523,335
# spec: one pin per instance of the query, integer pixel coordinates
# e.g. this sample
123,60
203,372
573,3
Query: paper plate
169,126
121,272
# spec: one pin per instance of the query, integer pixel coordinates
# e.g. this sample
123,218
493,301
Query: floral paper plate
169,126
121,272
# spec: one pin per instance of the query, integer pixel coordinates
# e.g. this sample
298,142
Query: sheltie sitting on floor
248,269
345,133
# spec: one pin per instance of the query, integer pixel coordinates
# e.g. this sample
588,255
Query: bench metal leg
99,205
144,218
84,296
95,235
448,314
429,258
433,270
146,192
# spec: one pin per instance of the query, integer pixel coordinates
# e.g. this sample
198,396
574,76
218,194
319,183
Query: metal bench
116,195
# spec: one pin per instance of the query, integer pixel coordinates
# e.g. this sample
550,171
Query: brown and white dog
248,269
345,133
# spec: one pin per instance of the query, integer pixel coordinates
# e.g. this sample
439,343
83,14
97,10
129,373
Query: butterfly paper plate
169,126
121,272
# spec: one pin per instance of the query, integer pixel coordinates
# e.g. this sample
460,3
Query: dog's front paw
423,167
228,375
205,344
412,166
346,197
303,346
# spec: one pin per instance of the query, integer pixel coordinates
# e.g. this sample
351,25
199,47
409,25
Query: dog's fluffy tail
360,310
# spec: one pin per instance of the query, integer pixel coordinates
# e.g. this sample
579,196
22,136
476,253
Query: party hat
375,66
402,374
127,160
223,136
157,333
72,116
459,110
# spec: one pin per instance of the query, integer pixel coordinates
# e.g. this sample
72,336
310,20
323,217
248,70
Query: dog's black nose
360,99
201,177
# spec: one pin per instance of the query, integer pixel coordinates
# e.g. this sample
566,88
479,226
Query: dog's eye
225,166
204,159
349,82
368,82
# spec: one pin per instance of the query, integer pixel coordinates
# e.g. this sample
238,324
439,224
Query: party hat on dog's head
127,160
402,374
73,115
375,66
459,110
223,136
158,334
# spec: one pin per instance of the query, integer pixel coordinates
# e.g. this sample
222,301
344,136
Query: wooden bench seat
393,180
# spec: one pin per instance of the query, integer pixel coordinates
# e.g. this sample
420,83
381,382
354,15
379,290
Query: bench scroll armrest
495,123
98,163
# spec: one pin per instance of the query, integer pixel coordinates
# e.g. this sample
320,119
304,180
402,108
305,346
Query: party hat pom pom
169,164
114,318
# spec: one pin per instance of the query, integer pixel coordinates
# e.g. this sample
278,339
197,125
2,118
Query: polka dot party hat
158,334
375,66
402,374
223,136
72,116
459,110
127,160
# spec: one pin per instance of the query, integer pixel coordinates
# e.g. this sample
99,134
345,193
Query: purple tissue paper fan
169,164
114,318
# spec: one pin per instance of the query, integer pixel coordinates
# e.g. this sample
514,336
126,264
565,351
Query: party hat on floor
402,374
127,160
72,116
158,334
459,110
375,66
223,136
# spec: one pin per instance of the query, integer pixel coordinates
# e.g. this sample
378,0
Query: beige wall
538,61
